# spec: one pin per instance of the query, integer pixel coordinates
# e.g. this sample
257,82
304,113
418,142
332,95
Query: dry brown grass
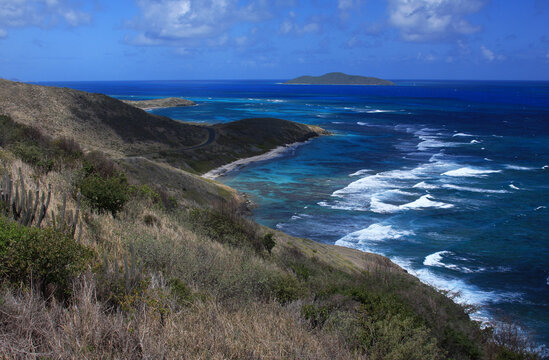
35,328
232,312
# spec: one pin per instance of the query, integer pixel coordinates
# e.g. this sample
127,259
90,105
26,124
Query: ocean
449,179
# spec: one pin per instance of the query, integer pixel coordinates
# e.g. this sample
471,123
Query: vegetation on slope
99,122
189,281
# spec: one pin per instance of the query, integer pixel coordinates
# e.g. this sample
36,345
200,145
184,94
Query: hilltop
338,78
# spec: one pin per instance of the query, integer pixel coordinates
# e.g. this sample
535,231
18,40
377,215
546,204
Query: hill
338,78
99,122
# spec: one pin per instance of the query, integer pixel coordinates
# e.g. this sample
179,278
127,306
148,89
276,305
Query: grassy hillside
99,122
134,258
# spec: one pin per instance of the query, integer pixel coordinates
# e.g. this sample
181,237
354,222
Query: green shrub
41,256
228,227
301,270
36,149
104,194
96,162
145,192
397,338
103,187
32,154
151,220
181,291
286,288
317,315
269,242
69,147
458,342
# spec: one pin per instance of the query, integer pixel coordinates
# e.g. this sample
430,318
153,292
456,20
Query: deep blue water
450,179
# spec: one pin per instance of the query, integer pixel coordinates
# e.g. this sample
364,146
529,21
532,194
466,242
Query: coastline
240,163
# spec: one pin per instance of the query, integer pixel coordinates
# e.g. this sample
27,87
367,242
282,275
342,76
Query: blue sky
61,40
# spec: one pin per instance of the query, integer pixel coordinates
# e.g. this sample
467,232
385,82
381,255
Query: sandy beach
278,151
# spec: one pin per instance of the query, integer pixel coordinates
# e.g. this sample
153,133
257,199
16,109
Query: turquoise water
448,179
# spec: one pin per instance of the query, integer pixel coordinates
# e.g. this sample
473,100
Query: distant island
338,78
160,103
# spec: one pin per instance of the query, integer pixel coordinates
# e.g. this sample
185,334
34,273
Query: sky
75,40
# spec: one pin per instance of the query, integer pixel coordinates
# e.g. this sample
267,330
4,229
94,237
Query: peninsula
338,78
160,103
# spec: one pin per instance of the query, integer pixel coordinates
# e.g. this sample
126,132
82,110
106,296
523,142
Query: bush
104,194
151,220
181,291
42,256
397,338
32,154
96,162
286,288
145,192
103,186
36,149
269,242
69,147
317,315
223,224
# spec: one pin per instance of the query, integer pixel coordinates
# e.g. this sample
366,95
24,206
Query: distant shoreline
333,84
339,78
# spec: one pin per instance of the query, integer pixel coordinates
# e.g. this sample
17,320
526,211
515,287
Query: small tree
269,242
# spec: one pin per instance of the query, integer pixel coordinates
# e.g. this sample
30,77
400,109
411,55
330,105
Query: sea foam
463,134
471,189
425,186
516,167
374,232
470,172
360,172
436,260
426,201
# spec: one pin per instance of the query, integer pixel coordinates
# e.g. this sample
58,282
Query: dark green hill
99,122
338,78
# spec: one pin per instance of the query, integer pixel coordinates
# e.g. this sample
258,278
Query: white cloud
286,27
487,53
289,27
3,33
241,41
490,55
311,28
428,20
345,4
43,13
177,21
426,57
